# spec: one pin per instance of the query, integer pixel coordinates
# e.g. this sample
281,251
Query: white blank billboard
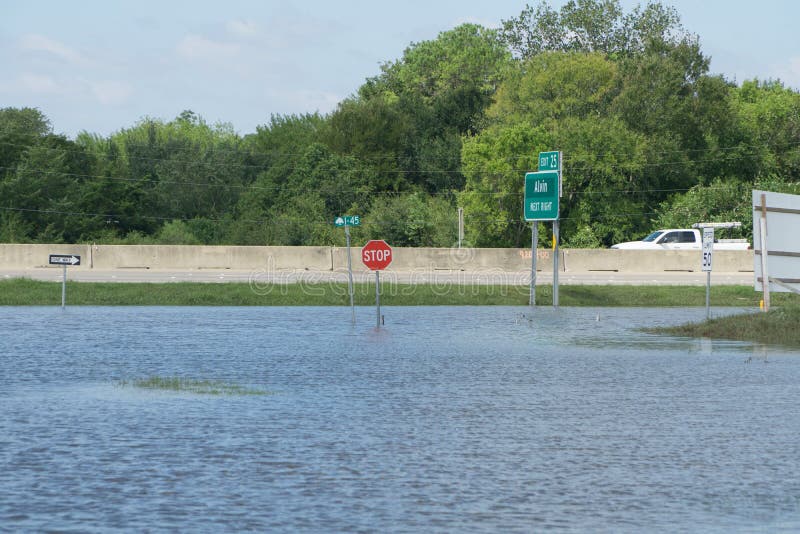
783,239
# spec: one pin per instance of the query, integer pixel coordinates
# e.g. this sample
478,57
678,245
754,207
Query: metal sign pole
707,263
555,263
63,286
63,260
350,274
460,226
763,234
378,296
534,247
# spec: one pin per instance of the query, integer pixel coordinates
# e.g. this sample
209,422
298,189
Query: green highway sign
541,196
347,220
550,161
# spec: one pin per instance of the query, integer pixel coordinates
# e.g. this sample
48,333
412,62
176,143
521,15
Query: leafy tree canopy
593,26
649,138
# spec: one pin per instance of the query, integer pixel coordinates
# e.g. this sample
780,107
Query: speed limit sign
708,248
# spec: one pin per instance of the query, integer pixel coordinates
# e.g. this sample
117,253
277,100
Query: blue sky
103,65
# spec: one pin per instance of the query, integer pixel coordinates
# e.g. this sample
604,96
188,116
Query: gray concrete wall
647,261
452,259
175,257
208,257
33,256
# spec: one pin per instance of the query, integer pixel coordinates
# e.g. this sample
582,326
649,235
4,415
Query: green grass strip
22,292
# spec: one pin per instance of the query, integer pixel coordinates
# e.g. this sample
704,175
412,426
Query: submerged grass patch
189,385
779,326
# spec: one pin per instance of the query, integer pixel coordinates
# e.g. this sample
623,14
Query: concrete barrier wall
649,261
452,259
176,257
33,256
207,257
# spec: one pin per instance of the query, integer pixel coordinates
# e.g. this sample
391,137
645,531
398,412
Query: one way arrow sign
64,259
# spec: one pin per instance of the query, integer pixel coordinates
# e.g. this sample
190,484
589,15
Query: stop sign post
376,256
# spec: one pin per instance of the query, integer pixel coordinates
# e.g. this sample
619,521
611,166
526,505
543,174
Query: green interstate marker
347,220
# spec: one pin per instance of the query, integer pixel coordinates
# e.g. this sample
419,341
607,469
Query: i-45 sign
541,196
347,220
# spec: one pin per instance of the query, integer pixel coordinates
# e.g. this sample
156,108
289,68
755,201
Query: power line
283,187
367,159
117,216
317,222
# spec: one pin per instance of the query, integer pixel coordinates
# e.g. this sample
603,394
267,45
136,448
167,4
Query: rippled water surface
447,419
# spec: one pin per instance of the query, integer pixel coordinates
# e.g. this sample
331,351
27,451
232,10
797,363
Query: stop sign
376,255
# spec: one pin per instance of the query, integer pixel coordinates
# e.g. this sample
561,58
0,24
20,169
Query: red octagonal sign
376,255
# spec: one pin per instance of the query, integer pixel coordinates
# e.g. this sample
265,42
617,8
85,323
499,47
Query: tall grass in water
189,385
779,326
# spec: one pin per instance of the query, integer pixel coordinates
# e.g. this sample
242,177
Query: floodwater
451,419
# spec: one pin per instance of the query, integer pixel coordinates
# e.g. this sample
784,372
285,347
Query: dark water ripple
447,419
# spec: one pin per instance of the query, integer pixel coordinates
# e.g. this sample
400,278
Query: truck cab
673,239
679,239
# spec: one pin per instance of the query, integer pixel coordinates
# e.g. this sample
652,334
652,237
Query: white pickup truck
680,239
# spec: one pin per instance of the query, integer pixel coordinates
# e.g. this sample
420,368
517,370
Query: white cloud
111,92
36,83
199,47
244,28
40,43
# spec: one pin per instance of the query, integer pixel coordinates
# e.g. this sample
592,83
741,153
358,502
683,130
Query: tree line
650,139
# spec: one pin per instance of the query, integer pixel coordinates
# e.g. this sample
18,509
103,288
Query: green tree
183,169
557,85
556,100
14,228
603,164
467,57
406,123
592,26
276,146
722,200
46,187
413,220
274,151
769,116
376,132
176,232
300,206
20,128
659,93
494,163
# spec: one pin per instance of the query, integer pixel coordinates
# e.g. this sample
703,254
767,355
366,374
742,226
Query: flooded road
447,419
